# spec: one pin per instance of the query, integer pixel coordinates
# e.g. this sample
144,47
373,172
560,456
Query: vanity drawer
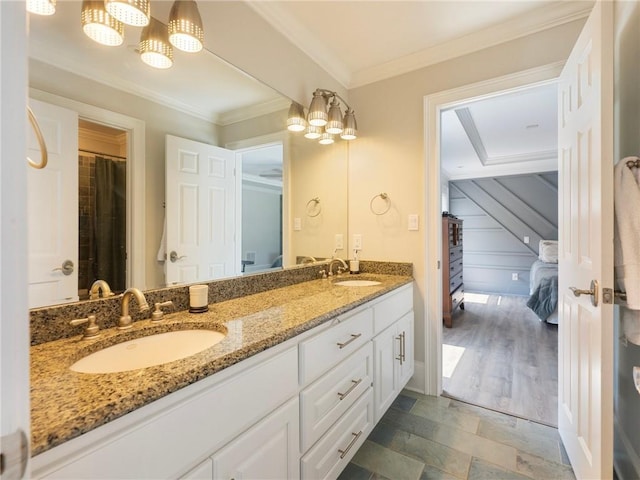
323,351
324,401
332,453
391,307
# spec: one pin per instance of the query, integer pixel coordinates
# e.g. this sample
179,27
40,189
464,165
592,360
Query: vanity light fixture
136,13
41,7
321,123
295,119
155,49
185,26
99,26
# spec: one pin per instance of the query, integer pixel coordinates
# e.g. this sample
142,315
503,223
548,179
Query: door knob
66,268
594,292
173,256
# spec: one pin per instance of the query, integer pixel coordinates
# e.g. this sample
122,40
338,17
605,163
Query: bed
543,283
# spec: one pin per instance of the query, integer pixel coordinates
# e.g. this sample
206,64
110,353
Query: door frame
433,105
136,199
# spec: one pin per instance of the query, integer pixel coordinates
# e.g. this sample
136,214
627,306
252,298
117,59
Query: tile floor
422,437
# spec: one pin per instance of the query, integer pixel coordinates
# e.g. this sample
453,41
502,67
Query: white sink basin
148,351
357,283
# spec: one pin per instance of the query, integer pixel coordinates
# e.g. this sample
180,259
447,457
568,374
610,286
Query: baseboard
416,383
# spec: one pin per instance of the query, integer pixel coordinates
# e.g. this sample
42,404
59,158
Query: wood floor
510,359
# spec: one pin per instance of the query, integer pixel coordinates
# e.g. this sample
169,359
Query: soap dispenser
354,265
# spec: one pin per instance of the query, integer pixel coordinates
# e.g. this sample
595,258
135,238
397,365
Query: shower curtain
110,222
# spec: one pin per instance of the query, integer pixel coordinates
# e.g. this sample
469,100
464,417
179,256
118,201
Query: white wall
261,232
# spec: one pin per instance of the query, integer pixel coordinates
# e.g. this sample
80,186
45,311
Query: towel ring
43,146
384,197
315,207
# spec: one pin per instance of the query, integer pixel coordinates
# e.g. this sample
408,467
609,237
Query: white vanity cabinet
392,349
300,409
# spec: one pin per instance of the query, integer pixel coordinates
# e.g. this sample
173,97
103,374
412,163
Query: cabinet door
405,332
268,450
386,347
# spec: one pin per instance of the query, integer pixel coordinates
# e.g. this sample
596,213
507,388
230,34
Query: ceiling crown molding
535,21
279,18
246,113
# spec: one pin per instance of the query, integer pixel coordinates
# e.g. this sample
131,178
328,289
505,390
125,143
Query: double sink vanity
284,376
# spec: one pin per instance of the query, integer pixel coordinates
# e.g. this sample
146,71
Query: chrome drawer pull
400,357
355,384
353,337
355,439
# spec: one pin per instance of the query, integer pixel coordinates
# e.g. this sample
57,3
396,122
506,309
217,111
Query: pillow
548,251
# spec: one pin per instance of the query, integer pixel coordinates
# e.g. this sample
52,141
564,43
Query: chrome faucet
100,287
341,268
125,319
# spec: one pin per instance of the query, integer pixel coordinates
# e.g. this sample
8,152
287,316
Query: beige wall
389,155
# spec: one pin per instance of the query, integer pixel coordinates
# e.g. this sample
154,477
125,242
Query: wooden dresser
452,285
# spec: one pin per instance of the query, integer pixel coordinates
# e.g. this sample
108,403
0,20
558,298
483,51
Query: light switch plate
357,241
413,222
297,224
526,239
339,242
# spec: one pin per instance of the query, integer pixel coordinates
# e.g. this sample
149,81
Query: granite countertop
66,404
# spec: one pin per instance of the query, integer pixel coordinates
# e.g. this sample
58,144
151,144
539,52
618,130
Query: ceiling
358,42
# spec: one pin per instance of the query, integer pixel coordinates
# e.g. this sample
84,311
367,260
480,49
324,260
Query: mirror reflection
106,115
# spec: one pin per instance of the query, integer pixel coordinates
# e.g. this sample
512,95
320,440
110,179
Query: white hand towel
161,256
627,232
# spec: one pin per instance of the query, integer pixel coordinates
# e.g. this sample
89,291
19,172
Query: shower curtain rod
102,153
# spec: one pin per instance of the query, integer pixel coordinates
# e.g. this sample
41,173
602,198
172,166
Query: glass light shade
132,12
155,49
41,7
99,26
318,110
295,119
185,26
350,126
313,132
326,139
334,124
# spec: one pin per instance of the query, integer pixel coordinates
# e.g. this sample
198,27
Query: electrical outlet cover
357,241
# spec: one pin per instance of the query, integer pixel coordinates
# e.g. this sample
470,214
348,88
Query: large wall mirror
289,205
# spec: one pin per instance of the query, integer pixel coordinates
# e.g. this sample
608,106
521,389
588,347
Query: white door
52,206
585,171
201,212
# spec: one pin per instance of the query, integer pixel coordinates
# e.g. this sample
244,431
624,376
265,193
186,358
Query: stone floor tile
536,467
383,434
481,470
355,472
476,446
537,428
432,473
403,402
484,413
388,463
410,423
446,416
432,453
539,445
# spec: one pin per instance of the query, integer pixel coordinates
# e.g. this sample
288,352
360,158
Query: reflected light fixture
321,123
326,139
295,119
185,26
41,7
155,49
99,26
136,13
313,132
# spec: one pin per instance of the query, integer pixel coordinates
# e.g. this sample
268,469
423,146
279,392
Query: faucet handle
92,330
158,314
323,273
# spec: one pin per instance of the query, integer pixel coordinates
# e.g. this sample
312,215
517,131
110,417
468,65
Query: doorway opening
481,351
102,206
